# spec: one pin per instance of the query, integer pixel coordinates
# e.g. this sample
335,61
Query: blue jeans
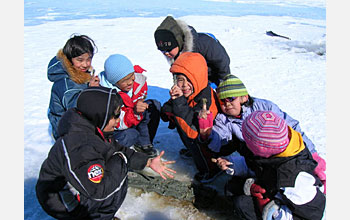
145,131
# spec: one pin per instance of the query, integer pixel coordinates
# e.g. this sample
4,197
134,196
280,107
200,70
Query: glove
257,191
205,126
252,189
319,170
139,69
206,123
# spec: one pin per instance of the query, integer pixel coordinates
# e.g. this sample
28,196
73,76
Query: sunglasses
229,99
116,116
166,51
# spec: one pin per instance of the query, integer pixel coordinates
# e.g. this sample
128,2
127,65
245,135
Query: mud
204,198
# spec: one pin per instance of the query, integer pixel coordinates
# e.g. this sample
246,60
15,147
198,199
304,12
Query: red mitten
205,126
257,191
139,69
206,123
319,170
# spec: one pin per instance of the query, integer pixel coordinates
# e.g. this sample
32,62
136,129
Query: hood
72,121
98,104
60,67
194,67
295,146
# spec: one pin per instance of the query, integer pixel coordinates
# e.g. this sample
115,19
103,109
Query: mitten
252,189
139,69
206,123
205,126
319,170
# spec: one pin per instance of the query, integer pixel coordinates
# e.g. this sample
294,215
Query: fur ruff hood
188,44
75,75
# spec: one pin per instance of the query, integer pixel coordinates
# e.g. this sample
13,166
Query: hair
117,103
78,45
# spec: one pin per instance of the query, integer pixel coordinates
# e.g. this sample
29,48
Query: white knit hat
117,66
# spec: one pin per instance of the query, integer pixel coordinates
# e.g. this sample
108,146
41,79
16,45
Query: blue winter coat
225,127
65,91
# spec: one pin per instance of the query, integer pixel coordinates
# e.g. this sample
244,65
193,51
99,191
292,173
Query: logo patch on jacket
95,173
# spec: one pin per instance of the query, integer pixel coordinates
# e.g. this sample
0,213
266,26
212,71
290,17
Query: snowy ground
289,72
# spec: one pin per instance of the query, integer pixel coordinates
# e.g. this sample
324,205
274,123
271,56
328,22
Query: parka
90,162
68,82
226,126
206,44
127,117
287,177
184,111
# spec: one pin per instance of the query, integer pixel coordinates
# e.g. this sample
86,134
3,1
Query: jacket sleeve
215,54
71,94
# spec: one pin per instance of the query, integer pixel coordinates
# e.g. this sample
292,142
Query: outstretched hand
205,121
221,163
159,167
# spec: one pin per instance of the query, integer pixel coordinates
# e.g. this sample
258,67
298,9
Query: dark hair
78,45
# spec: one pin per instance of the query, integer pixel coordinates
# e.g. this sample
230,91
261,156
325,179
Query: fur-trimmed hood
60,67
188,42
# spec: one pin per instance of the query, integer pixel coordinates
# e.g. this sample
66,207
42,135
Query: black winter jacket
210,48
96,168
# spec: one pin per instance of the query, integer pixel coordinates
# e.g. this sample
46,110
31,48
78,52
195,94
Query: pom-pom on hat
265,133
232,86
116,67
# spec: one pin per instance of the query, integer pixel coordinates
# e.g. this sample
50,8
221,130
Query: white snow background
291,73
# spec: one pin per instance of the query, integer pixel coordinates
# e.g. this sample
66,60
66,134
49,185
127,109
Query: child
85,173
139,118
70,71
236,104
174,37
186,101
284,186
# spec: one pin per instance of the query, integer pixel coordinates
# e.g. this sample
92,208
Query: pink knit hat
265,133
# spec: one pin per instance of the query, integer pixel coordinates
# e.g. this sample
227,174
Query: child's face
126,83
172,53
232,106
113,122
82,62
185,85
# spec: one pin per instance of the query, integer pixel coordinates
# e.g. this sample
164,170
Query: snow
291,73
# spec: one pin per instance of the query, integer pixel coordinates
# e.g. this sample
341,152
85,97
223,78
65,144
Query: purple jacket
226,126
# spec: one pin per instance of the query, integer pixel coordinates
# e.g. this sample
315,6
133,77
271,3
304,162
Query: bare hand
94,81
175,92
140,106
222,163
159,167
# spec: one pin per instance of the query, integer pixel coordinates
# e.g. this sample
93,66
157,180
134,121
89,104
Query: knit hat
165,40
232,86
98,104
265,133
169,32
117,66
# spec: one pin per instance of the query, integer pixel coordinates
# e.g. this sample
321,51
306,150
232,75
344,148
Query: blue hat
117,66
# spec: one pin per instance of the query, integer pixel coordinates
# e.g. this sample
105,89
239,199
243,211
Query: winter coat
127,117
184,111
288,178
226,127
95,168
209,47
68,82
